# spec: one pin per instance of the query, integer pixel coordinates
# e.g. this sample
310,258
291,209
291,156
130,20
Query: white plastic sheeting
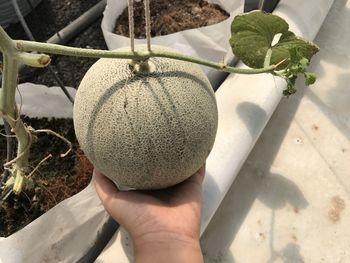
63,234
290,201
245,104
210,42
42,101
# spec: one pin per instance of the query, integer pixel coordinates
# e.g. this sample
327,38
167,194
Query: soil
170,16
55,180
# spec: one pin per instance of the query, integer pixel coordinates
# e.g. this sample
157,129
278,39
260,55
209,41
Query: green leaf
310,78
253,41
253,34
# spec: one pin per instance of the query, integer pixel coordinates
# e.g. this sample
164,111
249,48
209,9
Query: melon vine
253,41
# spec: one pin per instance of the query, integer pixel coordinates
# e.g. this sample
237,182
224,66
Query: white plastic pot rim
210,42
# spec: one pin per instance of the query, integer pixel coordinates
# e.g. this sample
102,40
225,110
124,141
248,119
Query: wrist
167,247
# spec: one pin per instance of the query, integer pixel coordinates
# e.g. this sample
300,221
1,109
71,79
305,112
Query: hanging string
131,24
148,24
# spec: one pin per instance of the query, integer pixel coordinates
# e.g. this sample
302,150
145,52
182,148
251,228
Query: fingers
117,203
109,194
113,200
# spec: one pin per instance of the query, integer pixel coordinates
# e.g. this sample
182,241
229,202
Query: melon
148,130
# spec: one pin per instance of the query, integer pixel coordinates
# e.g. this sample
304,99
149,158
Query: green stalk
6,43
9,109
8,106
9,84
28,46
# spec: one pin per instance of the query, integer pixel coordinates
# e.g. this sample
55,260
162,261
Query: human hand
161,222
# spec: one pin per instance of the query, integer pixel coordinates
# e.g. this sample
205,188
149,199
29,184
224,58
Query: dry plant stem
49,192
7,136
38,165
20,154
59,136
7,96
8,109
29,46
10,148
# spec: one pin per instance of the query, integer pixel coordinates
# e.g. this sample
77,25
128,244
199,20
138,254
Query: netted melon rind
146,131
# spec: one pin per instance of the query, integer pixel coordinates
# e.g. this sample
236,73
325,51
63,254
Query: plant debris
56,179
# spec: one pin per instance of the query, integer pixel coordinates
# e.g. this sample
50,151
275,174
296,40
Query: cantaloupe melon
145,131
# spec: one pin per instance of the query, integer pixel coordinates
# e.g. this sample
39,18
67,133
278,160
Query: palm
173,210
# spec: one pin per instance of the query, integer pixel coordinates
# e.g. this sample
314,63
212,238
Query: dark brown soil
170,16
56,179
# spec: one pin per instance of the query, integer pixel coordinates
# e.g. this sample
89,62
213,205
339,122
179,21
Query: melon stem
12,57
23,45
142,66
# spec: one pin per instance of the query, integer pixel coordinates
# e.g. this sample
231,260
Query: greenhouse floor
290,201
